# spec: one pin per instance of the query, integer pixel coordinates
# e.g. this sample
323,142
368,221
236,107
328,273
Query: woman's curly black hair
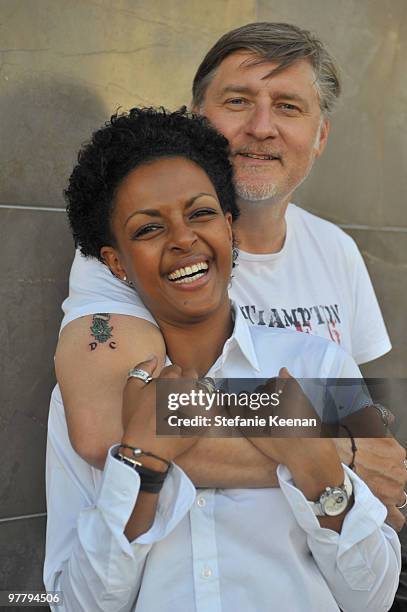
127,141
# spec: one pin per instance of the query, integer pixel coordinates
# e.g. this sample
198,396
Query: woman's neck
197,345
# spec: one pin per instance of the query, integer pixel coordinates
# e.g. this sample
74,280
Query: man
138,536
269,89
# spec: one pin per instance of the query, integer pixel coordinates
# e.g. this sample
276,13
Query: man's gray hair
273,42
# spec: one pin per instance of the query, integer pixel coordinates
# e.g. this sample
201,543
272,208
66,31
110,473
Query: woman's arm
358,555
88,556
93,552
361,564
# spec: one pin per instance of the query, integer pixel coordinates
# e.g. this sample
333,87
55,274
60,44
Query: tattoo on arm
101,331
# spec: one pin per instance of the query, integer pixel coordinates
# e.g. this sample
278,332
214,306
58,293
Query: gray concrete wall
65,65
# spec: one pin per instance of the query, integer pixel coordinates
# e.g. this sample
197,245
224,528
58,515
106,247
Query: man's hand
380,463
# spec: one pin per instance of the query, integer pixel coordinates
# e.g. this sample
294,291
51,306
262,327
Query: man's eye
236,101
145,230
290,108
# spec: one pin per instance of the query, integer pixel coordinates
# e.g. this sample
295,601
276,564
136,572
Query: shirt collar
242,339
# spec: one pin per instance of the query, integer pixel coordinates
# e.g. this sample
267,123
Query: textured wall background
65,65
361,181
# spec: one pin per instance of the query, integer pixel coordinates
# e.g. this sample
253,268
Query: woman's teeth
189,273
189,279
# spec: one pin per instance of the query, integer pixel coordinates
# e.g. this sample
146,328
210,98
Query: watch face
334,501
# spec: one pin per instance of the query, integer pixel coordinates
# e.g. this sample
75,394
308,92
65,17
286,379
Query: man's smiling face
273,123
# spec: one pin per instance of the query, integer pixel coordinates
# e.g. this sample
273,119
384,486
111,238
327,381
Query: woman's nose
182,237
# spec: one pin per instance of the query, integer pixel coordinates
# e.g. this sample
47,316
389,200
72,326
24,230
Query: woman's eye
145,230
203,212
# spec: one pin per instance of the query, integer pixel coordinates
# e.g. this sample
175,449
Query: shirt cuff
366,515
118,494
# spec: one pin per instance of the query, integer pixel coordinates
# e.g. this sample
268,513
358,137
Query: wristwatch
334,500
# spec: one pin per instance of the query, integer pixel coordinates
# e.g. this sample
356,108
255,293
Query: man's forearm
380,463
228,463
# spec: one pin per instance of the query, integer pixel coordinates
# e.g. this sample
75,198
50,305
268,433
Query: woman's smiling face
173,240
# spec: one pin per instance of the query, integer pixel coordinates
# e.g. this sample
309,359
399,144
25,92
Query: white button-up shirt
215,550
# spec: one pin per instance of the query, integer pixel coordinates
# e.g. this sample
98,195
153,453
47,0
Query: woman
152,197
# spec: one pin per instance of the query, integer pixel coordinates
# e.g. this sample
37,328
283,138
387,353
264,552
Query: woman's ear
112,260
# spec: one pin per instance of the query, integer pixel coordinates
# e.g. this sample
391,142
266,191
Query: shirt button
201,501
206,572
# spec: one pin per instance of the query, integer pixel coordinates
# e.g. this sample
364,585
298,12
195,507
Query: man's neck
261,226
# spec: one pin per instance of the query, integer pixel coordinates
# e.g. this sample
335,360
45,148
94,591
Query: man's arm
92,374
380,463
228,463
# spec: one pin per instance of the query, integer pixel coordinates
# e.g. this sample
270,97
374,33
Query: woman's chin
193,309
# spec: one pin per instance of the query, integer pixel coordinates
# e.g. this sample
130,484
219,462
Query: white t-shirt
317,283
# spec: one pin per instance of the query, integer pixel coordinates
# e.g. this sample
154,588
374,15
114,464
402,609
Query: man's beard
258,190
255,192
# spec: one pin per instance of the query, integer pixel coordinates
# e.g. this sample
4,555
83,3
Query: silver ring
140,374
404,504
384,413
208,384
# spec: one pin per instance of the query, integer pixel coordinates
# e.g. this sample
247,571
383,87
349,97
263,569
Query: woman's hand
139,425
140,415
313,461
284,443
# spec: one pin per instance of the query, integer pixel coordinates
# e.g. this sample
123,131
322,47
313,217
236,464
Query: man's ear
196,109
111,258
322,139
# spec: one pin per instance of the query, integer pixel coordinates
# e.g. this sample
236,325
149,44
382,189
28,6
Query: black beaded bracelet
353,446
151,481
138,452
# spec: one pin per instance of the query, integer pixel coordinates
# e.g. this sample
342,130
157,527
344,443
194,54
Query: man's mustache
257,150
